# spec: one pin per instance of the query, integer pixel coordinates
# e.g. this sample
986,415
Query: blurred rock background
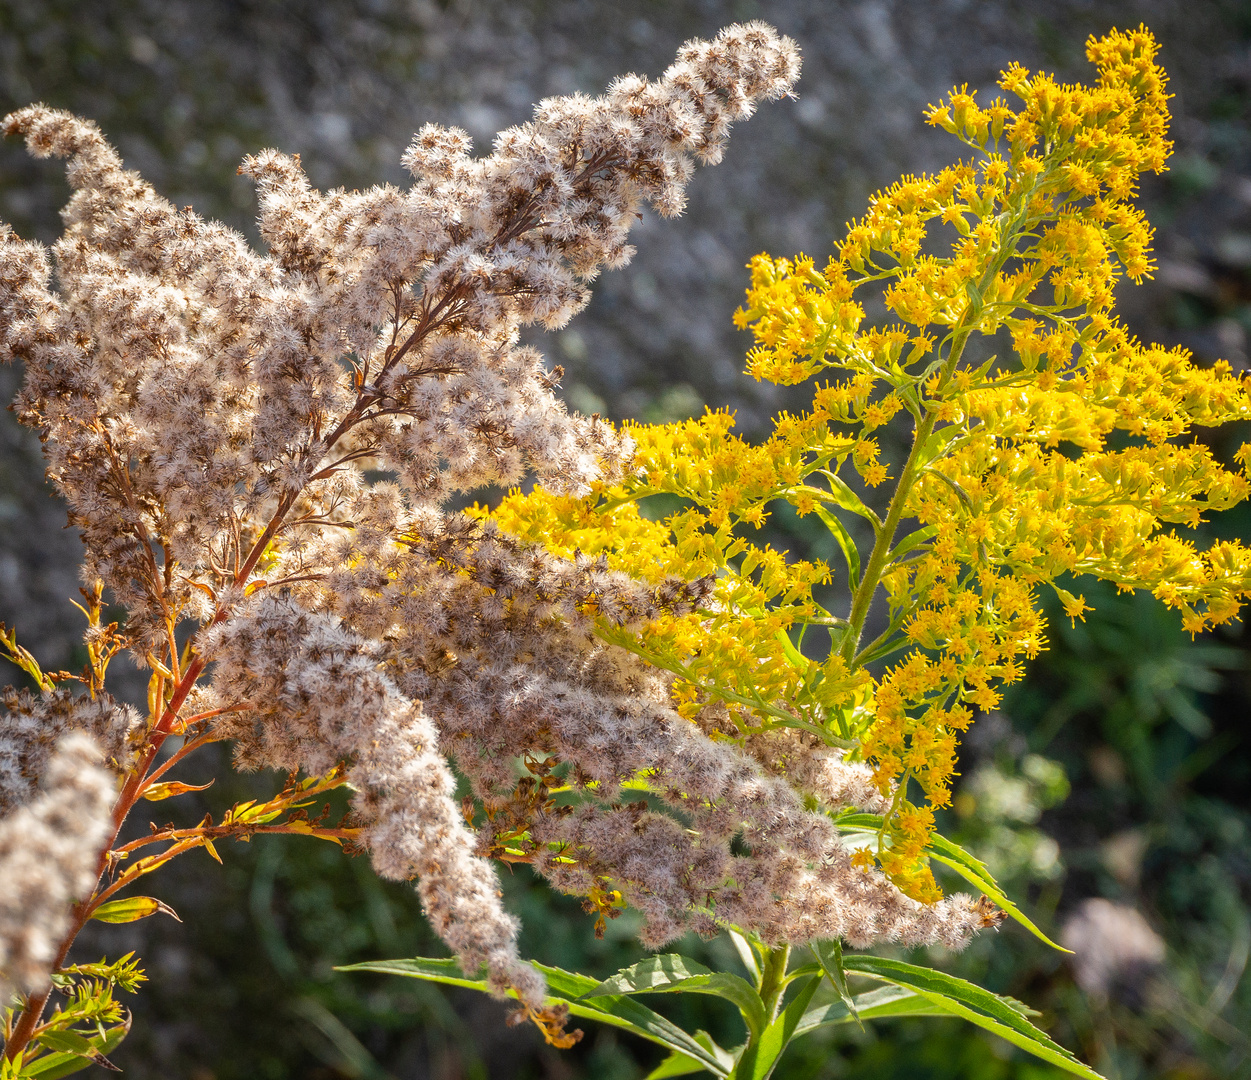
1118,772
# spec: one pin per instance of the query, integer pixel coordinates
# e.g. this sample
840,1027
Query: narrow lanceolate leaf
431,970
630,1015
679,1064
848,499
974,1004
66,1061
882,1004
845,543
132,909
743,947
70,1042
952,855
157,792
761,1056
797,659
829,955
672,973
911,541
568,987
675,1065
975,872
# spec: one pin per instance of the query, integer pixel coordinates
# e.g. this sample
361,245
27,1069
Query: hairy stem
773,979
863,597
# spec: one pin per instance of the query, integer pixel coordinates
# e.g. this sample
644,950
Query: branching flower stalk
1072,454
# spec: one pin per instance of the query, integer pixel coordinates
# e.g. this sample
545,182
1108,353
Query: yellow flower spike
1010,483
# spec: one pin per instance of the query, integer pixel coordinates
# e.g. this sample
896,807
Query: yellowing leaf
131,909
157,792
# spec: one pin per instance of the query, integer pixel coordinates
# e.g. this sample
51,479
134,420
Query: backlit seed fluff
49,858
209,413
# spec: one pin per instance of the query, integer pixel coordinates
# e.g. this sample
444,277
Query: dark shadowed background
1121,769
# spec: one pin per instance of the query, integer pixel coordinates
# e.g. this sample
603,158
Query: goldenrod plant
652,712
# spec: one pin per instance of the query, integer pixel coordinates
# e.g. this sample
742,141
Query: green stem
881,547
758,1055
1010,236
773,979
872,575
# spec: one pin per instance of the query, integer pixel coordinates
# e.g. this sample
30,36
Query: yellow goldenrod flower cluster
1069,453
740,651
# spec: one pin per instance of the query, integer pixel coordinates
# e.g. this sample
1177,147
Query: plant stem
863,597
881,548
773,979
762,1051
130,794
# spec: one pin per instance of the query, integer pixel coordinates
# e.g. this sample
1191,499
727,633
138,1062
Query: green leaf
431,970
912,540
881,1004
656,972
975,297
906,387
66,1062
743,947
848,499
762,1055
51,1066
950,854
829,955
961,494
672,973
890,640
846,544
677,1061
974,1004
726,1058
924,980
570,984
675,1065
132,909
891,645
798,659
568,987
54,1066
68,1041
939,442
630,1015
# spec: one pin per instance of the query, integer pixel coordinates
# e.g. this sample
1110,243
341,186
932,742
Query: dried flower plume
49,858
209,414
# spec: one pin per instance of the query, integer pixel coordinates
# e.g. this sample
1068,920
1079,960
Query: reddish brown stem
223,832
33,1011
182,752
